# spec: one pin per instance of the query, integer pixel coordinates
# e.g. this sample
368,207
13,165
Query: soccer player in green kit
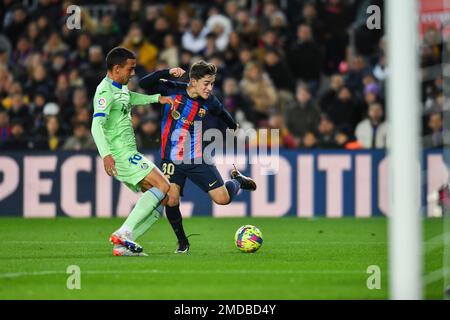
114,136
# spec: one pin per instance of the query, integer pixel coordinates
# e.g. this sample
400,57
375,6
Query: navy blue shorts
205,176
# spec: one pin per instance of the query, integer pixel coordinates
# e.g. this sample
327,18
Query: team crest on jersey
201,112
144,166
101,104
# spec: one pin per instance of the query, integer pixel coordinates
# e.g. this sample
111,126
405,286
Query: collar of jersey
115,84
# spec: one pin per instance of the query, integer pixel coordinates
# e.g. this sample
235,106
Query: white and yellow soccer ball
248,238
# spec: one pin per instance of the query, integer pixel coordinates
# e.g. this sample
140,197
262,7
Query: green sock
146,204
140,229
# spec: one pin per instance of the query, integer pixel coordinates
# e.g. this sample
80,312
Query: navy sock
233,187
176,221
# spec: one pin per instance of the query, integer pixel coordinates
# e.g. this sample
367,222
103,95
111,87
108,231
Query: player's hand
110,165
176,72
164,100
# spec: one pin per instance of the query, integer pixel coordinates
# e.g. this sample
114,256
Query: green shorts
131,168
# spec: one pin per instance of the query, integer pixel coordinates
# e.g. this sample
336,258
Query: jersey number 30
168,168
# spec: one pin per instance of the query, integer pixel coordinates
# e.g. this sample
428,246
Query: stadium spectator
21,53
194,39
326,133
302,116
182,22
435,138
161,29
44,61
270,11
79,102
330,95
357,70
309,140
18,138
18,25
278,71
309,16
147,53
258,90
108,34
231,52
51,137
233,101
37,110
63,91
247,27
343,109
54,45
80,57
220,25
58,65
171,52
32,34
210,48
305,58
96,69
44,26
285,138
185,59
149,136
5,129
81,138
245,56
39,81
372,132
19,110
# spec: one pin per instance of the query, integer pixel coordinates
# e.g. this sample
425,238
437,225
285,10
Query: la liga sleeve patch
101,104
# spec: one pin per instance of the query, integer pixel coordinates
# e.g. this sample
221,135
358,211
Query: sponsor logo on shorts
212,183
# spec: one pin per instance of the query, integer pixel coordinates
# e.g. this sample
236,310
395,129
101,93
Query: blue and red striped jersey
181,128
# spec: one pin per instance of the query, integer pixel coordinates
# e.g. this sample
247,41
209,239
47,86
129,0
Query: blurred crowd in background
309,68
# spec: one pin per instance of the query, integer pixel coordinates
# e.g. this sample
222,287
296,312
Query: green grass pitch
300,259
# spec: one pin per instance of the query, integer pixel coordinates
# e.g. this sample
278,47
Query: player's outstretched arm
138,99
151,81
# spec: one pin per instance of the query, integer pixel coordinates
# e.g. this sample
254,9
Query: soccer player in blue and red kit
192,102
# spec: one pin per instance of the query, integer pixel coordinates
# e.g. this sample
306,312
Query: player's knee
163,185
222,200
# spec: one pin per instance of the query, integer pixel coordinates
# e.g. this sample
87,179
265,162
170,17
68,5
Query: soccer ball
248,238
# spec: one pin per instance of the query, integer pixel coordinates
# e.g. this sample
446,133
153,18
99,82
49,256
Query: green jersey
112,128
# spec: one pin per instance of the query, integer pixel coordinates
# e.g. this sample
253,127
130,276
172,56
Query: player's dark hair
202,68
118,56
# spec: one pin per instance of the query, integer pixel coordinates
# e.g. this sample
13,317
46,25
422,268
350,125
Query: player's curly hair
202,68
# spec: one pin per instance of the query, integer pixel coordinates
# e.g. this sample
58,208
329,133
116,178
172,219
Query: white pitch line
154,271
172,242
